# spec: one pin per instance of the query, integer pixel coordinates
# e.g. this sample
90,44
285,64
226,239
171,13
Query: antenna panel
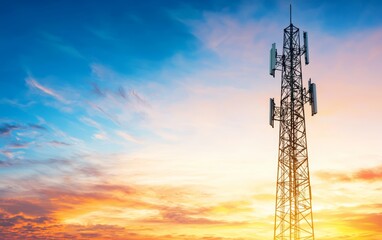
272,65
306,45
313,97
272,112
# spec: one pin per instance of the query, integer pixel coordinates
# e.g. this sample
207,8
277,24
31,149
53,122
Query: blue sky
175,93
43,37
66,61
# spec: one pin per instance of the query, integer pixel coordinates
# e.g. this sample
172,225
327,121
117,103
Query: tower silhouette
293,211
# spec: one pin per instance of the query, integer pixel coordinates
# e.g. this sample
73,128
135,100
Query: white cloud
90,122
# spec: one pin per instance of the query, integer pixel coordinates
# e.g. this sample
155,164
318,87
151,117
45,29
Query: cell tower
293,213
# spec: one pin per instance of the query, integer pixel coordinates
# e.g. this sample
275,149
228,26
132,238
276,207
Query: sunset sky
148,120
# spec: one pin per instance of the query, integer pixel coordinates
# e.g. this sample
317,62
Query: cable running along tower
293,213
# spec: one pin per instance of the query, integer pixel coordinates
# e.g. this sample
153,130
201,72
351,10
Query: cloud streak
48,91
368,174
128,137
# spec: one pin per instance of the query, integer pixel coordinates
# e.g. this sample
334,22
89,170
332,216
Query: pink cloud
128,137
35,84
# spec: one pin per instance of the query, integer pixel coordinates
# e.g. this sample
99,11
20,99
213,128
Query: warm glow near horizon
148,120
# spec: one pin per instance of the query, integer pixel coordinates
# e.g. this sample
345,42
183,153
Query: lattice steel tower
293,213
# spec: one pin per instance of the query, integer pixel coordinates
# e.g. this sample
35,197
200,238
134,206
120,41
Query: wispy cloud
7,153
128,137
103,73
18,145
138,97
48,91
28,207
37,126
115,97
90,122
58,143
109,115
16,103
97,90
20,137
366,174
7,129
100,136
119,95
58,43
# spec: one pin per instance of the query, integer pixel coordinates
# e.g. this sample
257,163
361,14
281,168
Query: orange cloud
367,174
108,211
350,223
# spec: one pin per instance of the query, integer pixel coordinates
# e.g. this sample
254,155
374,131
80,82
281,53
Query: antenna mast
293,211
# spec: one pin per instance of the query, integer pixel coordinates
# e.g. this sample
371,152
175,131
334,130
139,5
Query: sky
146,120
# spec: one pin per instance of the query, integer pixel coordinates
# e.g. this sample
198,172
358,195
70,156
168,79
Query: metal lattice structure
293,213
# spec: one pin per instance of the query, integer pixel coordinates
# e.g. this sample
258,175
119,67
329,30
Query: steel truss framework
293,213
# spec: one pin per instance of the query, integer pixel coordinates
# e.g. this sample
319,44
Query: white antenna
306,46
272,65
272,111
313,96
